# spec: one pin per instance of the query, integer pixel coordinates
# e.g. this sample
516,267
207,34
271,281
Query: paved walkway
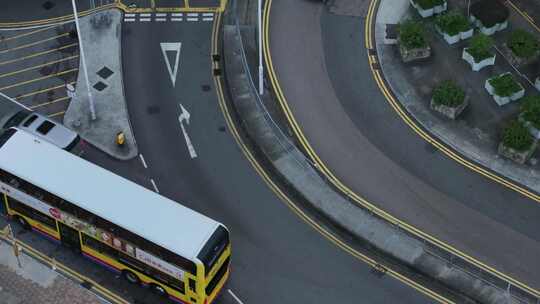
34,282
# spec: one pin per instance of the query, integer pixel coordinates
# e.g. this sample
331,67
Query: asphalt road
12,11
359,136
277,257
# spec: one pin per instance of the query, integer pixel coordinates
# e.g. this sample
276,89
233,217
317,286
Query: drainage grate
100,86
105,72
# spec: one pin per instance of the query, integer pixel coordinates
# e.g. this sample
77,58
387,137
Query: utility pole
261,73
83,60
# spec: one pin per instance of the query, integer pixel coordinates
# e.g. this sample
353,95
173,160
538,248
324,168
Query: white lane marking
129,15
192,19
161,14
193,14
177,14
235,297
129,19
143,161
171,47
145,19
208,19
177,19
184,116
208,14
154,184
146,15
161,19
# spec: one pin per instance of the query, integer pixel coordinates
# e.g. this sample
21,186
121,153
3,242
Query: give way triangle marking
171,47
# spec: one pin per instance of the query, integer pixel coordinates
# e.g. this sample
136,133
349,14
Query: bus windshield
213,248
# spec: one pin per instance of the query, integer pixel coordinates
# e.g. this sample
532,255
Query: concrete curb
299,173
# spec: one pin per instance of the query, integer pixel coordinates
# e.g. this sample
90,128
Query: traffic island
101,39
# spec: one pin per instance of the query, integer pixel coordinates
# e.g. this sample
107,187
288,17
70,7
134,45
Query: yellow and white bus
131,230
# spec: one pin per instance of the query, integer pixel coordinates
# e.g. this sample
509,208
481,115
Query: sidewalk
34,282
101,39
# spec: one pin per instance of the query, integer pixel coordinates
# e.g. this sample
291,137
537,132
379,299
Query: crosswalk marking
164,17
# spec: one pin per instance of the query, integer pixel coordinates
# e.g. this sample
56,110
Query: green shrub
412,35
452,23
427,4
516,136
448,94
505,85
523,44
480,47
531,110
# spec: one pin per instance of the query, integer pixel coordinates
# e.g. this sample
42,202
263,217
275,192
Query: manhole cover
205,88
100,86
153,109
48,5
105,72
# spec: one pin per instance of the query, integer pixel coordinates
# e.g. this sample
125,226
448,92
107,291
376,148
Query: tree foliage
523,44
517,137
448,94
412,34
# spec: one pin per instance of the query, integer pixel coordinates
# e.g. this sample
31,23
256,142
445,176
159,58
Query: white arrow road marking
171,47
185,116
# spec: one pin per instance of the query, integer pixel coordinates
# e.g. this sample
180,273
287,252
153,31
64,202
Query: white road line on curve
143,161
154,184
145,19
235,297
161,19
177,19
192,19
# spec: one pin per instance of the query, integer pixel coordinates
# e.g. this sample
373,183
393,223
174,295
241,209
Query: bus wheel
158,290
131,277
23,222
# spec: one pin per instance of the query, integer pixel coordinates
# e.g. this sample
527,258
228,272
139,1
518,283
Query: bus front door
69,237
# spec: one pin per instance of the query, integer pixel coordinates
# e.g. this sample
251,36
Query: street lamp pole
83,60
261,73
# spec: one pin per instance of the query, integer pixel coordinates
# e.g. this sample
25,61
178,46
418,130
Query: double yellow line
360,200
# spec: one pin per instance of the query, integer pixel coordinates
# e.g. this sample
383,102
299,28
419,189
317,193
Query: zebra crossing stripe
129,19
208,14
177,19
208,19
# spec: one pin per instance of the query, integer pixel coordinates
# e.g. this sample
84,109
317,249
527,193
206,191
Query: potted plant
504,88
517,144
521,48
427,8
412,41
453,26
530,114
449,99
489,16
479,54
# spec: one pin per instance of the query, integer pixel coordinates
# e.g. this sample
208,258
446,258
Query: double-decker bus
149,239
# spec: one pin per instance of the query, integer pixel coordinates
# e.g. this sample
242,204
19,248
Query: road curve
277,258
322,68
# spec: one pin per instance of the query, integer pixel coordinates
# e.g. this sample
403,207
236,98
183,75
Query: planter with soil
479,54
489,16
453,26
427,8
522,48
412,41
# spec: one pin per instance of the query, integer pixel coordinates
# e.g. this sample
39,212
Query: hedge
448,94
531,110
505,85
453,23
480,47
523,44
412,35
517,137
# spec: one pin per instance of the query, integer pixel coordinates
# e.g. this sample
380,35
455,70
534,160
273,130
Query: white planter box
502,100
425,13
455,38
489,30
537,83
477,66
532,129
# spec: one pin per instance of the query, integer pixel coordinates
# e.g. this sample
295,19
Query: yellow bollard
120,138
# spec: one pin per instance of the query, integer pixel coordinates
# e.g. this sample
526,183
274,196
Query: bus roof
112,197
